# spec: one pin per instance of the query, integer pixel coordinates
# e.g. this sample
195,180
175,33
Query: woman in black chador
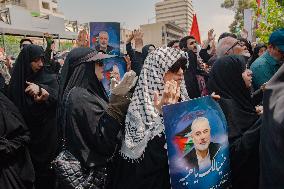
16,169
90,120
232,81
34,92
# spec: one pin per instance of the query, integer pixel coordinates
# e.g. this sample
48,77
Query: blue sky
132,13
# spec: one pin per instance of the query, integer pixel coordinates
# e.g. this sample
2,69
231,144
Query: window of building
45,5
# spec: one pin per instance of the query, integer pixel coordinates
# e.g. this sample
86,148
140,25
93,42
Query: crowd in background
47,96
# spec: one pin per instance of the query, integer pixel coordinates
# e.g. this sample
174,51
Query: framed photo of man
105,37
197,144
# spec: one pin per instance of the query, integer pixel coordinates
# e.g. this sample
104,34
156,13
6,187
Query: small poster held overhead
113,68
197,144
105,37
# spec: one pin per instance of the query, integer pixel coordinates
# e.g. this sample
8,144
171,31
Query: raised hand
171,95
129,39
211,35
123,87
138,34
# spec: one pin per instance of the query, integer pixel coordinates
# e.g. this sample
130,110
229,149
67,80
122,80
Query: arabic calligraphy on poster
197,144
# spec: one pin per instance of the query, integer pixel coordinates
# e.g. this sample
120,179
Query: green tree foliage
12,44
238,6
271,19
66,45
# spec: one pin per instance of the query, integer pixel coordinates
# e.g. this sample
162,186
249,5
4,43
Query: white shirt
204,163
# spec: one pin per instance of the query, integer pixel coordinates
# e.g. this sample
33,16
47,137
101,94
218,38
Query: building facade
37,7
161,33
178,11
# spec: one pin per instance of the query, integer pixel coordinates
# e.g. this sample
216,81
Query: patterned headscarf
143,122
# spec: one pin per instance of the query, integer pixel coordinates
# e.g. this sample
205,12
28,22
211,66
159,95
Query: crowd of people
51,101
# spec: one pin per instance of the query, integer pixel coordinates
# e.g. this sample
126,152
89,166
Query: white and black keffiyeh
143,122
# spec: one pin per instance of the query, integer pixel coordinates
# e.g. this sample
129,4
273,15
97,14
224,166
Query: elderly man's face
237,47
103,40
201,136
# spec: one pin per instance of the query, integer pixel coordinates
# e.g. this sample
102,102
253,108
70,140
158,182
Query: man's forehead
103,34
201,126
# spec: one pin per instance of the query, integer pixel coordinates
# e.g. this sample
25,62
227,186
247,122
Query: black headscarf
22,72
272,133
83,103
226,80
78,72
243,121
39,117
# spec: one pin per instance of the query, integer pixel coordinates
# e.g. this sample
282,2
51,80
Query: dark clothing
272,134
91,131
243,122
226,80
137,58
190,79
191,157
244,132
16,169
204,54
2,84
151,172
40,117
49,56
108,50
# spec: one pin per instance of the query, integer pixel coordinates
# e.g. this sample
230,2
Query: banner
105,37
197,144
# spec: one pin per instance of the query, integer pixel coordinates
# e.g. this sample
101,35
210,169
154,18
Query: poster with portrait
197,144
113,68
105,36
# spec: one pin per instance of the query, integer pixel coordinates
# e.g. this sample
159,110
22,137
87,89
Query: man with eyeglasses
268,64
230,45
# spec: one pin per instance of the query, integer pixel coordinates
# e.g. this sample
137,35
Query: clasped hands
39,94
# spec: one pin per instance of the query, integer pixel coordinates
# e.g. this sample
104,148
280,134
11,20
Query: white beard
202,147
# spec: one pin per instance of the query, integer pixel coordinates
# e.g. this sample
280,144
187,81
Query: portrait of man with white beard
204,151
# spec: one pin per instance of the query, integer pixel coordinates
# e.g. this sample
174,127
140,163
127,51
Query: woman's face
37,65
261,51
176,76
99,70
247,77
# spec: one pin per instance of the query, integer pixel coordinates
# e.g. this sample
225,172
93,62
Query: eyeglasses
234,45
